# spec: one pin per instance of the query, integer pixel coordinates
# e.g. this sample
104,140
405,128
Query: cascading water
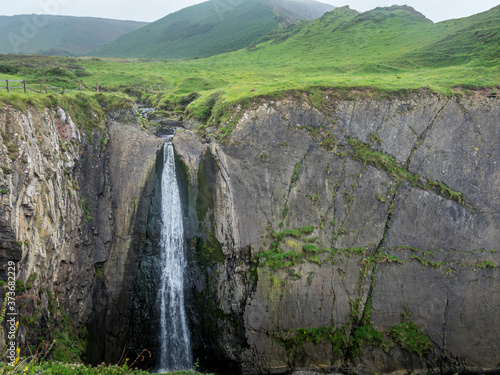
175,347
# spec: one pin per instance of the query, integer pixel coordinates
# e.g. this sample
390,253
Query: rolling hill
389,50
383,40
59,35
211,28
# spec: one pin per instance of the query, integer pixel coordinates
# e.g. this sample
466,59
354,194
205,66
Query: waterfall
175,347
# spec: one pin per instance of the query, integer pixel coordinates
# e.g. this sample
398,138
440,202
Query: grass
54,358
381,53
200,31
359,332
486,264
88,110
275,258
364,153
34,365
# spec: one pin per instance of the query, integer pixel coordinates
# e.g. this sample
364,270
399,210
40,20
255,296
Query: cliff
72,199
355,235
360,237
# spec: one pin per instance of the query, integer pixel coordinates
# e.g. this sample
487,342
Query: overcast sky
151,10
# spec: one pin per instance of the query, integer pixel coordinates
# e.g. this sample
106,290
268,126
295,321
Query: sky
152,10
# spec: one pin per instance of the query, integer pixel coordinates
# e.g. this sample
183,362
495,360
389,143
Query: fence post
25,87
8,86
41,89
46,90
64,90
97,86
80,85
159,88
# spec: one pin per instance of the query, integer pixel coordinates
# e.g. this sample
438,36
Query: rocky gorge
354,235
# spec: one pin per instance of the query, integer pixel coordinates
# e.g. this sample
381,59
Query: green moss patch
410,336
275,258
365,154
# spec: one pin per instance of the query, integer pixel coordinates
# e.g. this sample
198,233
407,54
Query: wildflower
18,351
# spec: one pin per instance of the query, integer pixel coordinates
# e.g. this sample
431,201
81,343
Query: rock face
73,207
46,222
132,162
363,237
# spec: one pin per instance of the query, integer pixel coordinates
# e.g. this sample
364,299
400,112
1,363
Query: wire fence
42,89
38,88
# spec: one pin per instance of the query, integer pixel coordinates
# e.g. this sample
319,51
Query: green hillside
211,28
383,52
394,47
395,38
474,40
59,35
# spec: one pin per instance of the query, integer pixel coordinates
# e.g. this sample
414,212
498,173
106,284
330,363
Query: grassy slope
210,28
63,34
388,49
290,11
474,40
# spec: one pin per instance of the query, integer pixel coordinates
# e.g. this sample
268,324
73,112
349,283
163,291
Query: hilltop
384,40
59,35
211,28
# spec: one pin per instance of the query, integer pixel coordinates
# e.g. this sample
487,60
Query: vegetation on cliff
88,110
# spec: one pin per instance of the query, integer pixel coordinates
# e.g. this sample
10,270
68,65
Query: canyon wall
350,235
74,197
360,237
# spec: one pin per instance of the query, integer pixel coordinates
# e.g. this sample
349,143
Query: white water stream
175,346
